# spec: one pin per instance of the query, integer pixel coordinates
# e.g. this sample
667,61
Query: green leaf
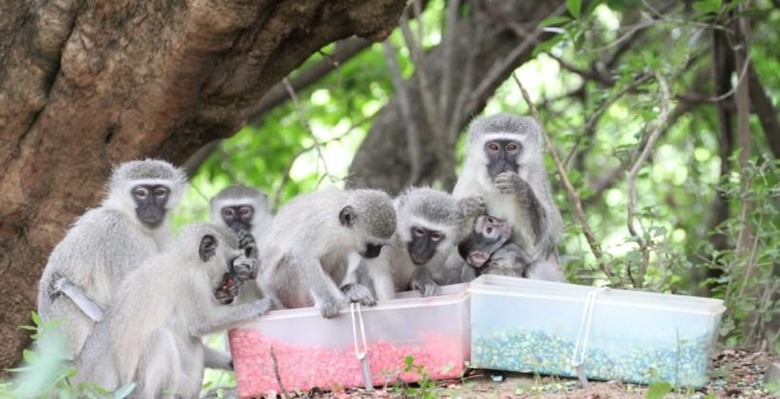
36,318
28,355
554,20
124,391
658,390
547,45
707,6
574,7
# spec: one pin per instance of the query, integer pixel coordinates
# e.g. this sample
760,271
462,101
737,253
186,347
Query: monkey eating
150,334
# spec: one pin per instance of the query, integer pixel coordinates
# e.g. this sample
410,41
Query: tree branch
660,122
571,193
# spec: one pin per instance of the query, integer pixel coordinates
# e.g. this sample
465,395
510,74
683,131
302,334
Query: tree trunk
87,84
489,41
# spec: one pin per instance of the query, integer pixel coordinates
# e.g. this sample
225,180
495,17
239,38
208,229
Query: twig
571,193
659,122
306,124
412,135
275,362
449,59
286,174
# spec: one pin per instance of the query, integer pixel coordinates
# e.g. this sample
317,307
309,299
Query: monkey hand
245,268
512,183
472,206
262,306
329,307
359,293
423,281
228,289
247,243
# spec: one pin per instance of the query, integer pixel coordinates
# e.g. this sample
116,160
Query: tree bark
484,41
87,84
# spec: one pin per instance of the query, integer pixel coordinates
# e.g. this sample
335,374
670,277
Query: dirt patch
734,374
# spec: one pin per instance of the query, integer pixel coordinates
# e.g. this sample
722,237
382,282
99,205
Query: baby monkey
490,250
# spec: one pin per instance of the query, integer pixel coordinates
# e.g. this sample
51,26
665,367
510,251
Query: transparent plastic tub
311,351
543,327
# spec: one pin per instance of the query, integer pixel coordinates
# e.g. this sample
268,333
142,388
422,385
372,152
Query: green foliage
658,390
425,386
46,370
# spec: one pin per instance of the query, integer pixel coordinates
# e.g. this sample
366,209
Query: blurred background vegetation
671,103
705,218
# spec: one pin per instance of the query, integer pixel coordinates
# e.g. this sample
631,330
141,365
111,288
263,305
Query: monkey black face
489,235
150,201
238,217
423,245
502,156
207,248
371,251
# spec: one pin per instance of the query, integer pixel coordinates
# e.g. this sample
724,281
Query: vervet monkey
429,226
108,242
244,210
305,251
490,250
151,331
504,165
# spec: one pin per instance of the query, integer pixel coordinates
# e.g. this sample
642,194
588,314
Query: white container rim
450,295
519,287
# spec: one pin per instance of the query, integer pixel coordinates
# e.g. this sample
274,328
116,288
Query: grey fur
524,198
104,245
393,271
151,331
240,194
305,253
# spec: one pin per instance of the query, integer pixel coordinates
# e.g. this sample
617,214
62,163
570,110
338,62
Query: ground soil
734,374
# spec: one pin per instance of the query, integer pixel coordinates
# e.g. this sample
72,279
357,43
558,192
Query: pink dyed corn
303,367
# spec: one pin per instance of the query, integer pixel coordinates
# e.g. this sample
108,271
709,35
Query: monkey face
488,236
150,200
371,251
502,156
238,217
423,244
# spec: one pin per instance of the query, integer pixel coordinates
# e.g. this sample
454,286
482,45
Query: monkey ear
347,216
208,247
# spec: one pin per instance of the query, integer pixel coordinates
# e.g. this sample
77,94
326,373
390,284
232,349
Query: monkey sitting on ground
306,250
430,223
490,250
151,331
244,210
504,165
108,242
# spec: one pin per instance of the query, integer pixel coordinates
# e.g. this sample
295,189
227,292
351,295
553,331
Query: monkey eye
228,212
418,232
141,192
245,210
160,192
512,147
490,219
493,147
436,236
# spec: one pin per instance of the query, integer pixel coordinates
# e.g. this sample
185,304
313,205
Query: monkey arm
470,208
222,317
62,285
539,215
422,279
326,294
